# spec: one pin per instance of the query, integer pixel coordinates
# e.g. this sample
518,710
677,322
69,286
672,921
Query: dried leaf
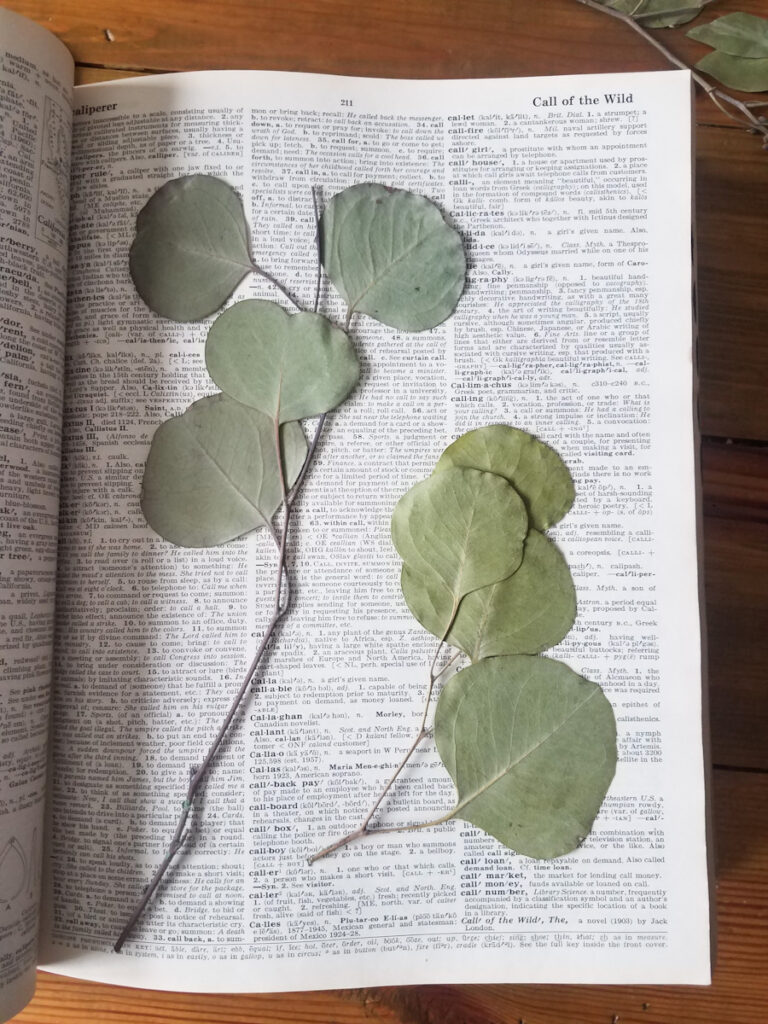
391,254
534,469
744,73
212,474
739,34
659,13
191,247
464,526
288,366
531,610
531,748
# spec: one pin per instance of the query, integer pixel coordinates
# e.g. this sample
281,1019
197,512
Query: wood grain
396,38
739,994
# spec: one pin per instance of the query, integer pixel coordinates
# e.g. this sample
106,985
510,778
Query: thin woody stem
319,278
364,828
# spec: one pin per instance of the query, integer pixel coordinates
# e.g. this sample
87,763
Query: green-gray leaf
659,13
741,35
534,469
531,748
288,366
391,255
531,610
212,474
191,247
745,73
464,526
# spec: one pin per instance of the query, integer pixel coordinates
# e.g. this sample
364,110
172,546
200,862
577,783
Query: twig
365,829
718,96
281,604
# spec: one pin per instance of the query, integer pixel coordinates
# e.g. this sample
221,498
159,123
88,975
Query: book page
36,77
574,198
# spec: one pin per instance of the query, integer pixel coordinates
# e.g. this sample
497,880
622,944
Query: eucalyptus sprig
739,60
232,460
529,744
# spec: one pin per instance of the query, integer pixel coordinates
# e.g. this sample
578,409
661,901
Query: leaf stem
273,281
364,828
718,96
318,281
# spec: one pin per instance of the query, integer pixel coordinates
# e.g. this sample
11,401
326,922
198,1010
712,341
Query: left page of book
36,80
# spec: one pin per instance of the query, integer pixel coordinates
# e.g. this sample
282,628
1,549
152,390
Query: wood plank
87,75
739,993
732,224
399,38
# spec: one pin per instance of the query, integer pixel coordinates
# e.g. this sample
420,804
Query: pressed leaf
744,73
534,469
659,13
531,748
286,365
531,610
212,475
191,247
391,254
739,34
464,526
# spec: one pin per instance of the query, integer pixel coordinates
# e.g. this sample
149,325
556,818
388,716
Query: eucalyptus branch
282,600
745,117
423,732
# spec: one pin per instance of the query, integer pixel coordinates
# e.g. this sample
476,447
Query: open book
574,198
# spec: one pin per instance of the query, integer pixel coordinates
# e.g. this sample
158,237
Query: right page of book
573,196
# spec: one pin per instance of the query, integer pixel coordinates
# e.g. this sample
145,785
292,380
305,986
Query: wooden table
451,38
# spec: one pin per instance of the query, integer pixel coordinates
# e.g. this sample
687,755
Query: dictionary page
36,77
574,198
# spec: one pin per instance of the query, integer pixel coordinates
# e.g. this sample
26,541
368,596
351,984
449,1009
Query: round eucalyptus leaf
531,748
534,469
212,474
745,73
740,34
391,254
526,613
464,526
287,365
191,247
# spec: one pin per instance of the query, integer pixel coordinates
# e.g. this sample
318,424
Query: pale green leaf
531,748
744,73
391,254
212,473
464,526
534,469
659,13
191,247
288,366
739,34
531,610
